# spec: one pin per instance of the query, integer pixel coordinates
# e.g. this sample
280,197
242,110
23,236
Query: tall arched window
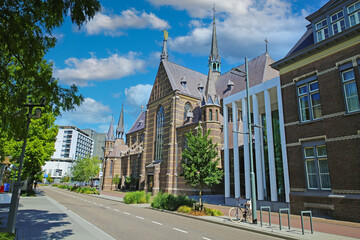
210,115
111,167
187,109
159,133
217,115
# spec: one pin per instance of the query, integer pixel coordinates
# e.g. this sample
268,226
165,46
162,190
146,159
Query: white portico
270,158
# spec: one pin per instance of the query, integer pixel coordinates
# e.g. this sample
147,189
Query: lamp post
15,197
252,174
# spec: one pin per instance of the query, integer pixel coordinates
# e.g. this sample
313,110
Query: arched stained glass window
210,115
159,133
216,115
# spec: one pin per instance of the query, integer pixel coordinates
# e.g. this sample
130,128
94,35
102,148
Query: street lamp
15,197
252,174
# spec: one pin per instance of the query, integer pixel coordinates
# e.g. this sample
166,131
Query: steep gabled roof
325,9
139,123
193,78
259,71
110,135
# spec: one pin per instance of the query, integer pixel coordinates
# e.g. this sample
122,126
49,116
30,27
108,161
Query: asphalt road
123,221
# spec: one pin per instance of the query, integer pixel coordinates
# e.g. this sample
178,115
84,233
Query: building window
210,115
159,134
216,115
322,30
350,91
309,101
338,22
111,168
354,13
317,170
187,110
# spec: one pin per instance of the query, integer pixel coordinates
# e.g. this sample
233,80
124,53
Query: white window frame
344,83
337,22
316,158
320,27
354,13
308,95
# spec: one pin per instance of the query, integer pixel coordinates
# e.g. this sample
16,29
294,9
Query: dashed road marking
140,217
183,231
157,223
116,210
126,213
107,207
206,238
100,205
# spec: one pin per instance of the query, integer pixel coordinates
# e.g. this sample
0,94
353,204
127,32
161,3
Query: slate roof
259,71
139,123
119,147
306,40
193,78
110,135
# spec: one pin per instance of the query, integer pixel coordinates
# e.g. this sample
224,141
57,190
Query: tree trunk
200,197
30,184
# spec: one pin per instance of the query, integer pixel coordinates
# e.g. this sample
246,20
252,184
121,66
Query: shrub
26,193
7,236
63,186
136,197
170,202
55,185
184,209
213,212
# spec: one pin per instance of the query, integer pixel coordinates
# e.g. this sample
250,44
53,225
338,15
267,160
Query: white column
259,176
246,150
236,151
270,142
283,143
226,153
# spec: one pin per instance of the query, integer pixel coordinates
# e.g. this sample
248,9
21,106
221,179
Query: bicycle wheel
235,214
249,216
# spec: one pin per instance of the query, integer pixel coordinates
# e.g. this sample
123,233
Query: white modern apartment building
71,143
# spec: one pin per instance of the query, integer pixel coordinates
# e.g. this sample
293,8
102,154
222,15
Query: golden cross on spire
166,35
142,108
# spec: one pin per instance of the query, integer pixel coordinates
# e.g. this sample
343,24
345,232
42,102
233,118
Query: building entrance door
150,183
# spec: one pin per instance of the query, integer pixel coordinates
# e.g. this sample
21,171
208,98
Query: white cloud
241,25
131,18
137,96
90,112
81,71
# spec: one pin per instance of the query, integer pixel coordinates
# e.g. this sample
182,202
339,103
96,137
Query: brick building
320,85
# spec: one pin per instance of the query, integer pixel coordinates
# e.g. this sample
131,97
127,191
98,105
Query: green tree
25,37
200,160
116,180
85,168
49,179
39,148
65,179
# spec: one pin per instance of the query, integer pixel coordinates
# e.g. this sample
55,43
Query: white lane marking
140,217
206,238
126,213
180,230
157,223
107,207
100,205
116,210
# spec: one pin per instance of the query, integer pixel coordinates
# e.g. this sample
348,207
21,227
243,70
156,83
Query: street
123,221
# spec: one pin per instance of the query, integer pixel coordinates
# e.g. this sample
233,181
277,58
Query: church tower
120,127
210,105
110,138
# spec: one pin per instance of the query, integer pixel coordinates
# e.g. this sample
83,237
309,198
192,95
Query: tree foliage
25,76
39,148
200,160
85,168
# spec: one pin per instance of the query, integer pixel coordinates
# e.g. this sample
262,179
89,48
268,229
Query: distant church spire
120,127
110,135
211,97
214,58
164,54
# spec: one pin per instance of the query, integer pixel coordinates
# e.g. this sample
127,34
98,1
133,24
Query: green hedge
170,202
86,190
213,212
184,209
136,197
7,236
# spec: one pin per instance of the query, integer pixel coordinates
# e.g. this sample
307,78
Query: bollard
302,221
288,212
261,209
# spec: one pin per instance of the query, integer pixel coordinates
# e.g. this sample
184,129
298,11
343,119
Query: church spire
211,97
164,54
120,127
110,134
214,58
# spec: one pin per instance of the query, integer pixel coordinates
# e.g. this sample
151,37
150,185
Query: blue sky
114,57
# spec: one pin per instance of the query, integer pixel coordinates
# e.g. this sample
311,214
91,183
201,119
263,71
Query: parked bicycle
241,212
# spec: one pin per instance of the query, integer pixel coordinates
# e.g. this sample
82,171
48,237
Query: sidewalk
41,217
323,228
